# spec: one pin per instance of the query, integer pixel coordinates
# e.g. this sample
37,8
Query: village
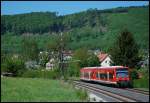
74,51
104,59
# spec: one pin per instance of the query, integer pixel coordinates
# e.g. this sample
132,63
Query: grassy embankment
143,82
35,90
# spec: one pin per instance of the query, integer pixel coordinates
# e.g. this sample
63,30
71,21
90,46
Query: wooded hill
94,29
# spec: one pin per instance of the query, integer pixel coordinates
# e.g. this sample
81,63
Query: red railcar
117,75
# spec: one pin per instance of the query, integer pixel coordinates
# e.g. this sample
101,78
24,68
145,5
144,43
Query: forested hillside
94,29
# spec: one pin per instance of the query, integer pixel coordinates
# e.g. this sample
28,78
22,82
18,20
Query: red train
117,75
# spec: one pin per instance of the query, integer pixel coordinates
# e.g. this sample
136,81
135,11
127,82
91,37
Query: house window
105,61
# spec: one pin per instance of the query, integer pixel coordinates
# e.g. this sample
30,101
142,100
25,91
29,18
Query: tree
93,61
82,55
125,50
30,49
82,58
73,69
56,48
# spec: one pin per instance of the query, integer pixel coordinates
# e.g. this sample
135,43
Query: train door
92,75
87,75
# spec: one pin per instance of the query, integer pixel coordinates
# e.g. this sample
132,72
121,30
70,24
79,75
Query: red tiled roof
102,56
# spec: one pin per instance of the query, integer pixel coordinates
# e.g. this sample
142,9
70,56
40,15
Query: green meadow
38,90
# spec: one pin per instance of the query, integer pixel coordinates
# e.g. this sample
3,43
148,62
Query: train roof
110,67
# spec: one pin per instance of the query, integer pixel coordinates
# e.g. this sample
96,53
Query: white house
50,65
104,59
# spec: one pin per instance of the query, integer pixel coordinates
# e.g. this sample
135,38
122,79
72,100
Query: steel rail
114,95
137,91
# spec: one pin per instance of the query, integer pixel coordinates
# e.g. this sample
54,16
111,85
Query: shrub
14,65
82,94
134,74
73,69
3,67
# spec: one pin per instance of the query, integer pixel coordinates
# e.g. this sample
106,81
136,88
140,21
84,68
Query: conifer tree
125,50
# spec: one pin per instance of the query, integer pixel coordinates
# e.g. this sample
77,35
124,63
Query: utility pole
61,48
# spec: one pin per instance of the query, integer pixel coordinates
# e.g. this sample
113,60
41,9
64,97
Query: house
144,63
104,59
67,55
50,65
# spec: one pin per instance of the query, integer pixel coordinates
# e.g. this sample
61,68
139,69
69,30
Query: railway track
138,91
118,97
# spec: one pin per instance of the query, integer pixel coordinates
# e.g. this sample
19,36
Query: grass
141,83
37,90
144,81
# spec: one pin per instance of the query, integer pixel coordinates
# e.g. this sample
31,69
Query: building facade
104,59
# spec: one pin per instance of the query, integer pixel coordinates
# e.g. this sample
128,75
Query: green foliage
35,22
86,58
41,73
90,29
13,65
142,82
82,55
136,20
81,58
125,50
29,49
73,69
93,61
134,74
82,94
43,58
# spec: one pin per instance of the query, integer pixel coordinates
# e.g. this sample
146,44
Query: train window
103,76
110,76
86,75
122,73
97,75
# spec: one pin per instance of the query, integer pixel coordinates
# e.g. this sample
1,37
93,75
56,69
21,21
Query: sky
62,7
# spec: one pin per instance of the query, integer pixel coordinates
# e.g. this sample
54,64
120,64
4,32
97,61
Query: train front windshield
121,73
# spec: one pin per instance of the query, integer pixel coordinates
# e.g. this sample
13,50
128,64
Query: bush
134,74
13,65
3,67
73,70
143,81
82,94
